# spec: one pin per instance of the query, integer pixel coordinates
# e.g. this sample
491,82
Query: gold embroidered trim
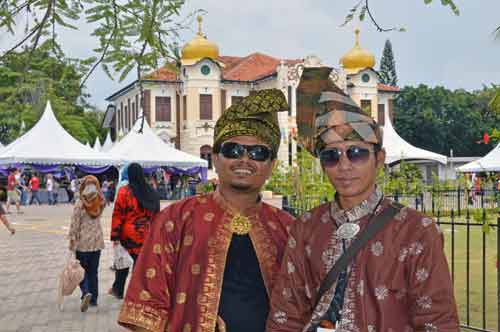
267,253
135,314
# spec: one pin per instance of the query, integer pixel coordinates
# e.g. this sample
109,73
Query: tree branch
35,29
105,50
379,28
40,30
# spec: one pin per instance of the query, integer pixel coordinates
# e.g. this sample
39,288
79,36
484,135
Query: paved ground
30,262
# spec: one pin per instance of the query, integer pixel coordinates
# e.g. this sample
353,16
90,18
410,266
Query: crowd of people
227,261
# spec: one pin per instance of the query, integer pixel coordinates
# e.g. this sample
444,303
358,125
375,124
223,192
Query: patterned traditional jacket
177,281
399,282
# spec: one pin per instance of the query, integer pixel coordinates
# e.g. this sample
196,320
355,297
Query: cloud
437,49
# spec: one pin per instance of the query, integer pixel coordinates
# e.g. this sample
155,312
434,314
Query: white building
182,105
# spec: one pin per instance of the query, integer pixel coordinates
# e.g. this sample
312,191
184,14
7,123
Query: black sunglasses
356,154
232,150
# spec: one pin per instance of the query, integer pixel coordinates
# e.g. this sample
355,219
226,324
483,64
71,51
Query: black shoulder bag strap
369,232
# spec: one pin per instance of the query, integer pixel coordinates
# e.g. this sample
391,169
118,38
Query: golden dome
357,58
199,48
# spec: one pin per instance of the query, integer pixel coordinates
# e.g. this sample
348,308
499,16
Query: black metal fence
472,246
429,202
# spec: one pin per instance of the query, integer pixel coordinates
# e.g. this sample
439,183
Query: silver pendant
347,231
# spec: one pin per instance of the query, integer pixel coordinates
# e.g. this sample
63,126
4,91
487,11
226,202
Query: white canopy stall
149,150
47,143
108,144
398,149
489,163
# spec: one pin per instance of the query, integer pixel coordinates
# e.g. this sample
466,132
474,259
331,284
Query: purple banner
190,171
93,170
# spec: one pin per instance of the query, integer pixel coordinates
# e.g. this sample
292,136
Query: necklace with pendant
240,224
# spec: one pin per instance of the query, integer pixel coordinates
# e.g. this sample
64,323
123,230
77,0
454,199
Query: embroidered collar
356,213
225,206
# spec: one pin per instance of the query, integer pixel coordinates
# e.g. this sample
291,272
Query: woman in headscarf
135,207
86,237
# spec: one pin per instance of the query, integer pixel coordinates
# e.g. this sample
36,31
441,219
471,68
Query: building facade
182,104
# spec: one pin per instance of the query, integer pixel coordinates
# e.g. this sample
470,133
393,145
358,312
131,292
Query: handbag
368,233
70,277
121,258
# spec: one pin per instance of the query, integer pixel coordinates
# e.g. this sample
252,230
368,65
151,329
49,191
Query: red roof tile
163,74
250,68
387,88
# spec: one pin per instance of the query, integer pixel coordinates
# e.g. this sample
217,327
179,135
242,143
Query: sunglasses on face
356,155
232,150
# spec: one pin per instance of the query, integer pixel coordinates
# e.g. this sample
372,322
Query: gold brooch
240,225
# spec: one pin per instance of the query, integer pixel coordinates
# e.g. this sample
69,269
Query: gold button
157,249
195,269
188,240
169,226
181,298
187,328
150,273
144,295
209,216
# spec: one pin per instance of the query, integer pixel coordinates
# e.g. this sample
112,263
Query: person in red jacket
135,207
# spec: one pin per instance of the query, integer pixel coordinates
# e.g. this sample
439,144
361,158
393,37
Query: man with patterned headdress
209,262
360,262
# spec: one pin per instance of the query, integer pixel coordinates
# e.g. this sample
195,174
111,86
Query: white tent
398,149
489,163
108,144
149,150
97,145
48,143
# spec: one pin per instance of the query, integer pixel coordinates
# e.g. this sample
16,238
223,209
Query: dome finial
200,21
357,31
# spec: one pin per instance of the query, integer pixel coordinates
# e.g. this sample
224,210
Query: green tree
439,119
23,95
387,70
132,34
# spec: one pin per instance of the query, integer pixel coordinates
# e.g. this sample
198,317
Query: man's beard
241,187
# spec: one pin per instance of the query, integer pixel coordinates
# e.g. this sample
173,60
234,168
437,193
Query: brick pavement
30,262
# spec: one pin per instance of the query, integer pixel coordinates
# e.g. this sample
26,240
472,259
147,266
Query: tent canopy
489,163
97,144
398,149
149,150
108,143
48,143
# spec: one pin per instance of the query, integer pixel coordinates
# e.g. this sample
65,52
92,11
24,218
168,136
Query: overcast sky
438,48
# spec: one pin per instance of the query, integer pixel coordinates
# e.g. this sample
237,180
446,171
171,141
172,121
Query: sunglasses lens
357,154
232,150
258,152
329,157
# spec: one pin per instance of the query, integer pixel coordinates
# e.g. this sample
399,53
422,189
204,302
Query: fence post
498,274
284,203
432,195
459,201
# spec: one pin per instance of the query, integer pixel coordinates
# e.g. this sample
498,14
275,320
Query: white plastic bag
121,258
70,277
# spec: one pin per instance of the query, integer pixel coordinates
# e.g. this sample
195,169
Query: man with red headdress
209,262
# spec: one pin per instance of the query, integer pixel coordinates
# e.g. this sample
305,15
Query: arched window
206,153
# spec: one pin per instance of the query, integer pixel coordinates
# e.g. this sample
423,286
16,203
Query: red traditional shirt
398,282
177,281
130,223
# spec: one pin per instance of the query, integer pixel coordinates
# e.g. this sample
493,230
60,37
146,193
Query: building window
184,108
134,114
366,105
365,78
289,100
206,153
381,114
120,118
236,99
290,150
163,110
205,107
127,118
